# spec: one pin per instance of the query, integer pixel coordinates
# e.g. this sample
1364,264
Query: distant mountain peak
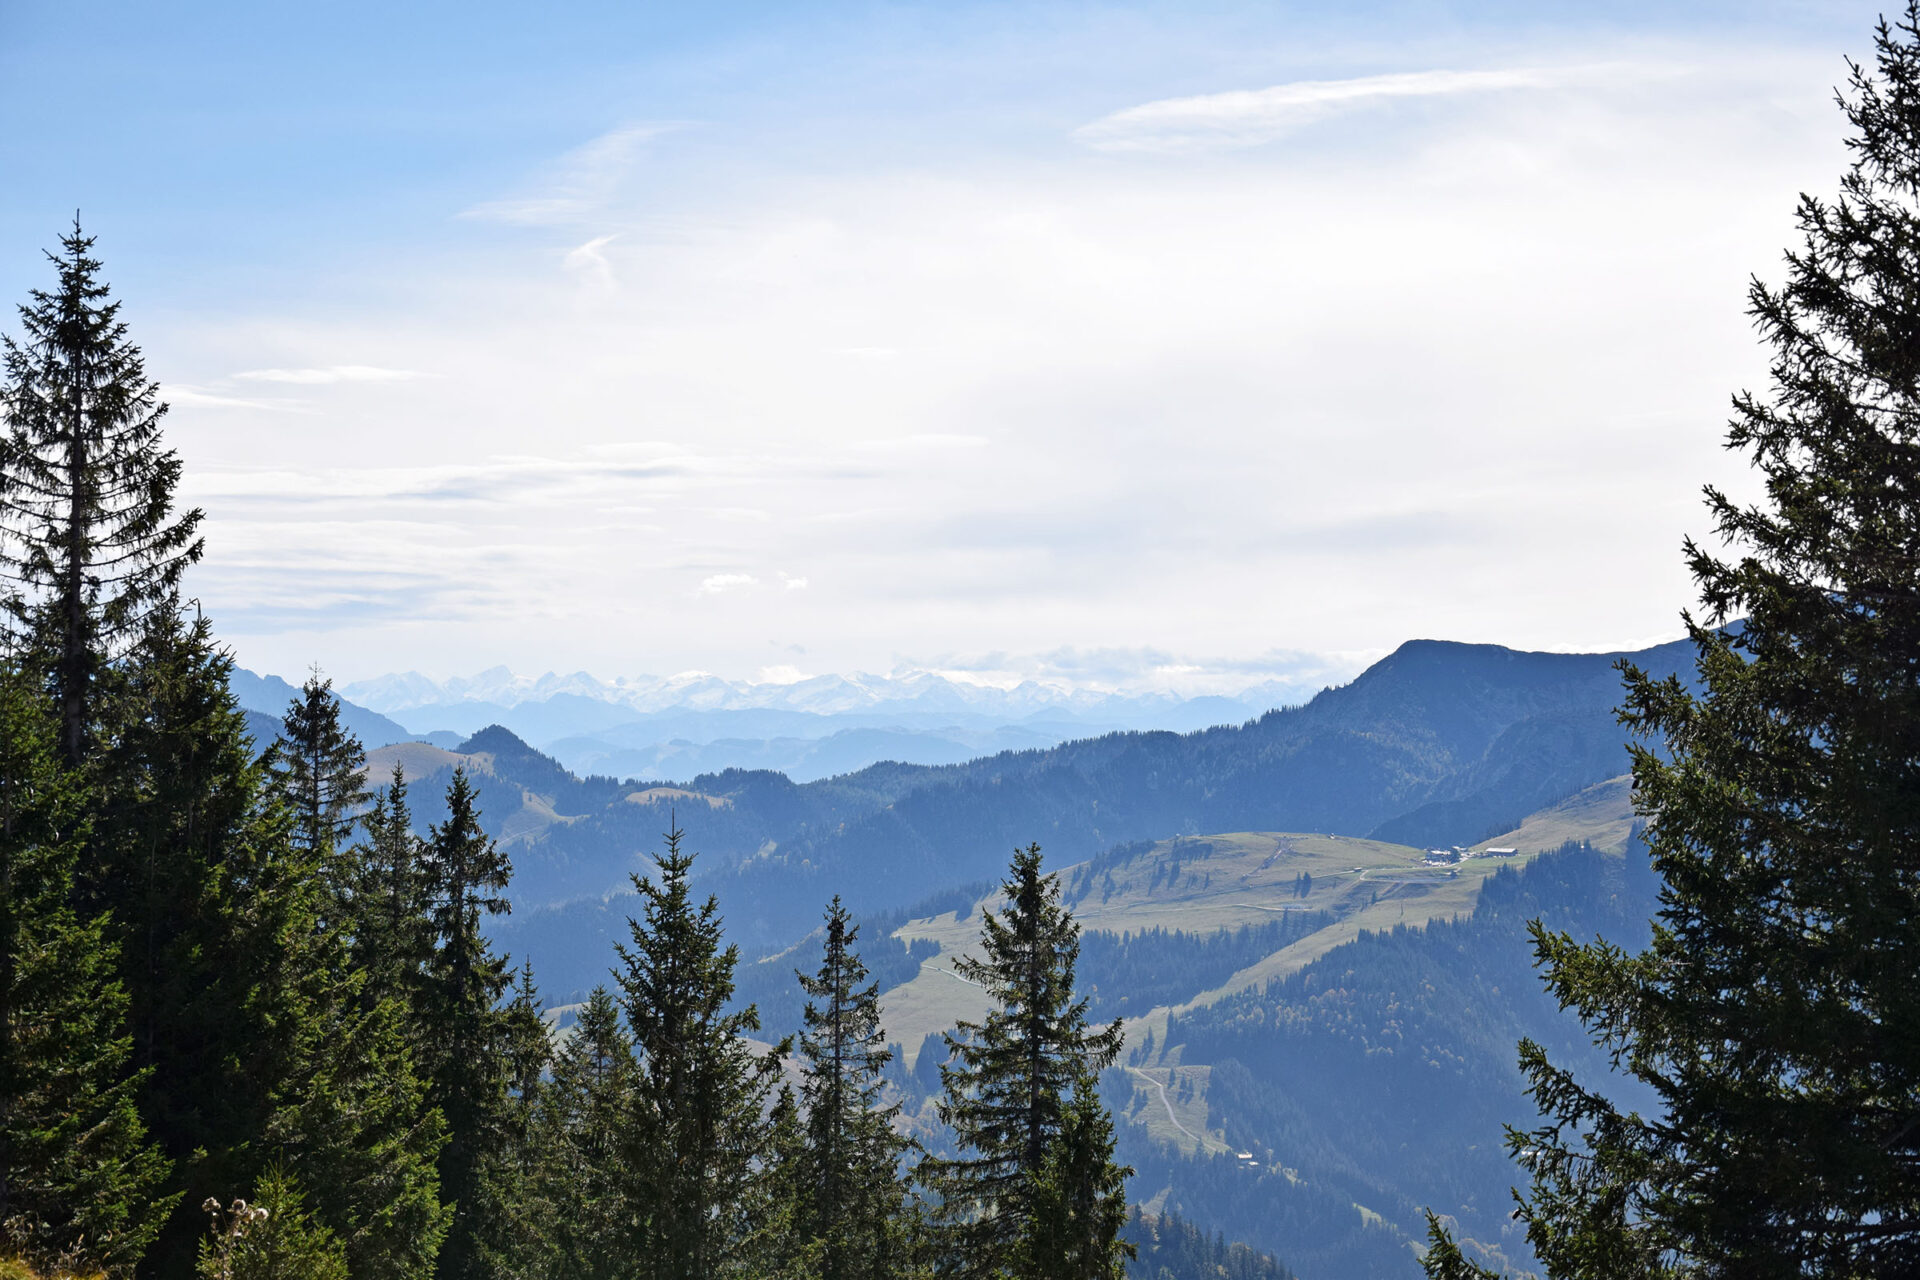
496,739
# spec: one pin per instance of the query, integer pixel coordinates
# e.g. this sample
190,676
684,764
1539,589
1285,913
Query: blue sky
1127,344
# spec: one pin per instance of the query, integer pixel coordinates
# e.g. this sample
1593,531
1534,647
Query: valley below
1311,924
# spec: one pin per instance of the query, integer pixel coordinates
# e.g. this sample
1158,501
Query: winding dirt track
1169,1106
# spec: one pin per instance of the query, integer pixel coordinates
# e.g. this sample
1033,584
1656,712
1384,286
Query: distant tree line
1169,1247
1133,973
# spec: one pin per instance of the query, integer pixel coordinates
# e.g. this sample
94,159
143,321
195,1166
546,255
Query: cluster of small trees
251,1025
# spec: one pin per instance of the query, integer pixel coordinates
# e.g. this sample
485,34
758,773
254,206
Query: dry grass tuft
15,1269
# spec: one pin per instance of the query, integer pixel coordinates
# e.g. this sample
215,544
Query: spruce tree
79,1179
205,903
355,1122
258,1043
317,767
780,1244
249,1040
1010,1081
585,1183
358,1123
701,1093
852,1200
465,1050
357,1126
88,534
1775,1017
393,931
513,1226
1079,1199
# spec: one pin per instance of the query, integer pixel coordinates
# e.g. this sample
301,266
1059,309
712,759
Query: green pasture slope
1207,884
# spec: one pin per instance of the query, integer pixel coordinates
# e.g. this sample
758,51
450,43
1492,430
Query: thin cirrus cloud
590,262
720,583
193,397
622,477
1290,675
328,374
581,183
506,480
1248,118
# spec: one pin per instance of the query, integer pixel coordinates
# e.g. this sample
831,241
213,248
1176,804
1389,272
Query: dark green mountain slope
573,837
1437,743
1169,1247
1378,1077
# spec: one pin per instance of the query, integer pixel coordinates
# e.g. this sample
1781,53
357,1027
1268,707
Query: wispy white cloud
328,374
578,184
590,263
586,479
1246,118
201,398
720,583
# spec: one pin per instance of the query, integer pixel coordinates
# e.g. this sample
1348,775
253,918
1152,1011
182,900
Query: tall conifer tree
249,1042
258,1043
1776,1014
393,930
359,1127
465,1048
204,901
853,1201
1079,1198
79,1179
779,1244
1010,1080
317,766
585,1184
88,533
700,1094
356,1123
513,1229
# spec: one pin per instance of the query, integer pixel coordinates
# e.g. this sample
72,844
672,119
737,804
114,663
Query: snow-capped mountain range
911,692
805,726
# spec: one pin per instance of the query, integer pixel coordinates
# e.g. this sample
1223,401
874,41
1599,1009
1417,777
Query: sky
1121,345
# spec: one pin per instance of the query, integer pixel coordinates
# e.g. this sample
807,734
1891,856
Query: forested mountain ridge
575,837
1439,743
